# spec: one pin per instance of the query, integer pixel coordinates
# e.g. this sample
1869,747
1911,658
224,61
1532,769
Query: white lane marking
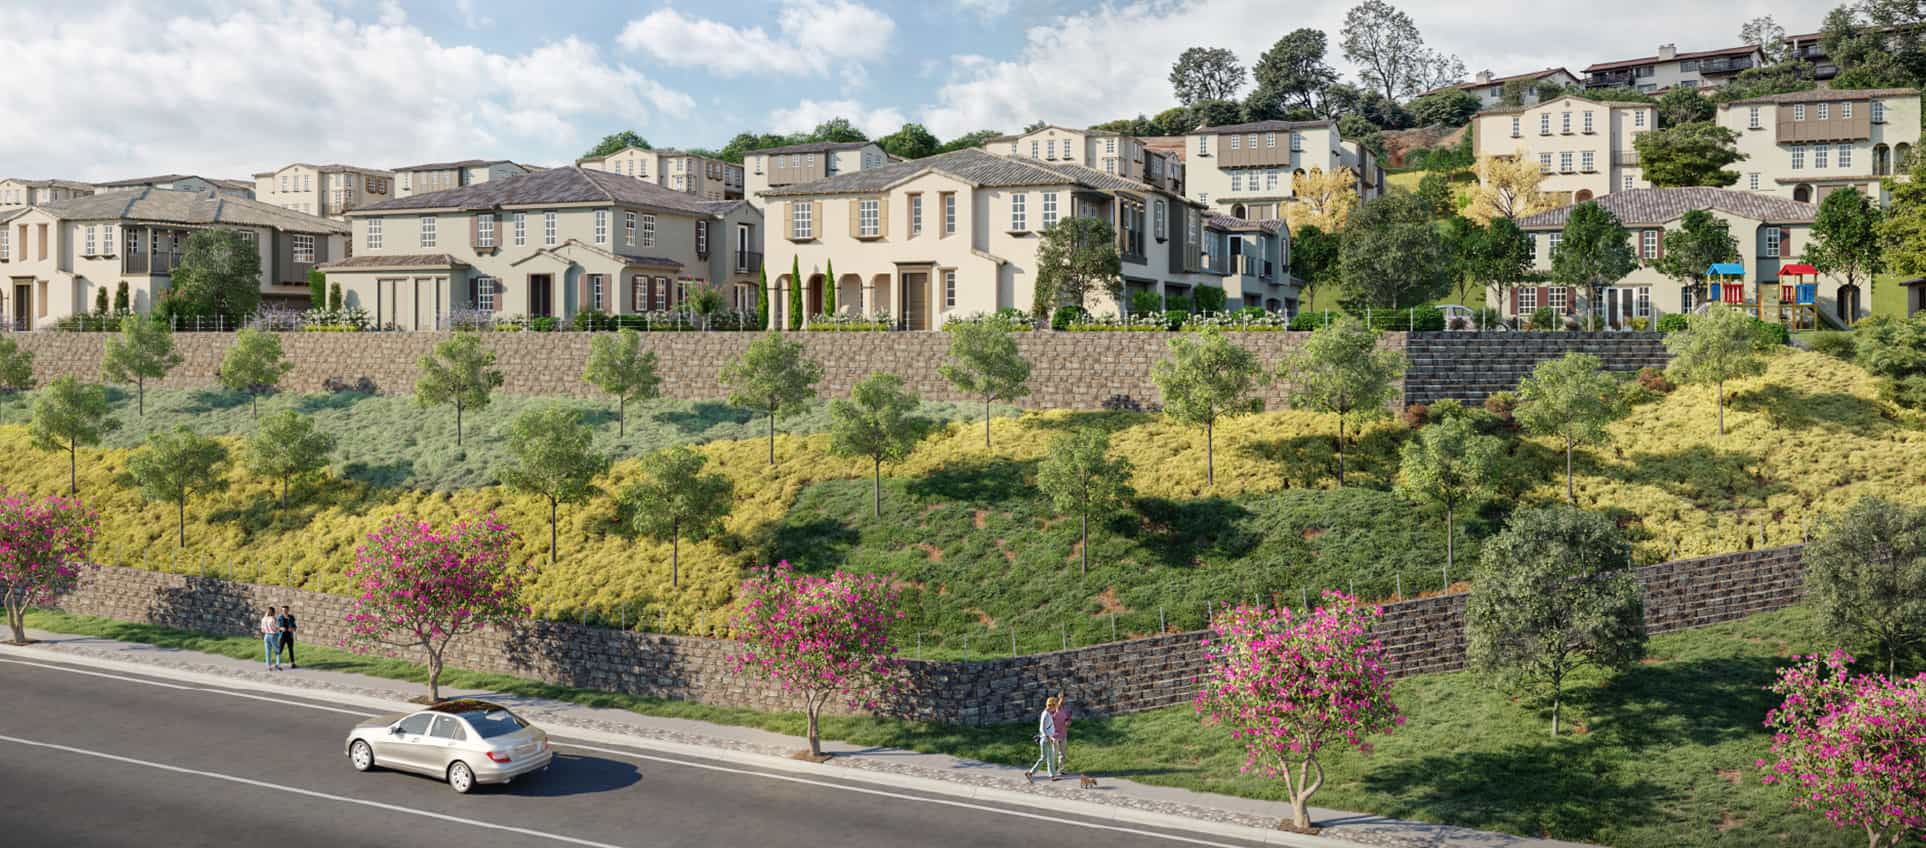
191,688
556,837
690,763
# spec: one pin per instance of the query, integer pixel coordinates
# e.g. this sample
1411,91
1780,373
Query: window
601,226
416,725
916,215
1545,163
1544,123
307,182
1825,110
1203,197
427,231
1752,117
1270,141
702,238
1878,112
1798,156
868,218
1627,182
1565,123
949,289
1845,109
628,228
1160,220
1235,142
521,228
1297,141
1033,148
648,230
1799,111
89,249
548,229
596,292
1588,121
1110,145
1845,156
1049,210
284,183
1648,244
1644,302
1050,149
1019,221
1555,297
1585,161
133,243
1250,141
1752,181
1527,299
1237,181
1270,179
1819,155
1771,241
1203,145
482,292
6,247
1110,166
639,292
801,226
1638,118
949,214
1564,161
303,247
1514,126
485,229
1551,241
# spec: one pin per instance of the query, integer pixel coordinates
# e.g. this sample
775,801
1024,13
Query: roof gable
1647,207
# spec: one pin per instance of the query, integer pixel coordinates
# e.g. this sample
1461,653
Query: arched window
1902,156
1882,161
1802,193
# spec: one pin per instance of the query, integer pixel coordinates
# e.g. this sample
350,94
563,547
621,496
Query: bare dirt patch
982,518
1310,533
1109,604
1732,776
935,553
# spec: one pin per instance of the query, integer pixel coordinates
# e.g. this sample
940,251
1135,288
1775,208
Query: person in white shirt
1046,741
271,639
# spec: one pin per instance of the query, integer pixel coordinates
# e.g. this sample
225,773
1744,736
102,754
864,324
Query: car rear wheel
361,755
461,778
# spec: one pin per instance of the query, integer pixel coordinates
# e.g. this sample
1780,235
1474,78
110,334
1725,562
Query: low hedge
1423,319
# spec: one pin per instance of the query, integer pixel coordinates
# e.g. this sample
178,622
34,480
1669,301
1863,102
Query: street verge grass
1659,756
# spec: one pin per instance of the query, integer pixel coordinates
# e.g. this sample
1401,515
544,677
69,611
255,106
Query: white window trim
601,226
551,235
301,247
869,223
521,228
1019,212
949,289
430,230
648,230
628,228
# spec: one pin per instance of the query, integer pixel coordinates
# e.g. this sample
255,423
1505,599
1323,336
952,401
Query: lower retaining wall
1421,636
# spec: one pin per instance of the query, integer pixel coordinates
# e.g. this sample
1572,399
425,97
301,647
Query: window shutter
882,216
1785,241
1661,244
1544,297
855,204
1513,292
474,231
816,220
320,249
789,219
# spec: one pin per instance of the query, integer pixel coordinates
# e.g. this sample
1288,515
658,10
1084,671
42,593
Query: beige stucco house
1259,261
330,191
1245,170
55,257
705,177
440,176
1772,232
1806,144
1099,150
774,167
183,182
16,192
1490,89
1583,146
1671,69
552,243
953,235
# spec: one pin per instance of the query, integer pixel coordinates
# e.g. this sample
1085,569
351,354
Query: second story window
1638,118
1033,148
1878,112
601,226
1159,223
1565,122
521,228
628,228
1586,161
1588,121
1250,141
1236,142
1237,181
1565,161
949,289
303,248
1049,210
1297,141
1203,145
648,230
1770,242
1798,111
1514,127
949,214
1544,123
1649,244
868,218
916,215
1825,111
6,247
1819,155
548,229
89,250
427,231
1845,155
374,233
1110,146
1544,163
1752,117
1270,141
702,238
1050,149
1845,109
1798,156
485,230
1019,216
802,224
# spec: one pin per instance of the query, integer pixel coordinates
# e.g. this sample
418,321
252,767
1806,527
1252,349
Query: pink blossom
817,637
1854,747
43,547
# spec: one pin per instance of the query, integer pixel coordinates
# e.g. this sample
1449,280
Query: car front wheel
461,778
361,755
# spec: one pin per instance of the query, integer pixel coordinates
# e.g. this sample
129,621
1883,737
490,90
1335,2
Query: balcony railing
1625,158
748,260
1724,66
138,263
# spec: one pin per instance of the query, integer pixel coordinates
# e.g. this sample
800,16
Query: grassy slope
1661,755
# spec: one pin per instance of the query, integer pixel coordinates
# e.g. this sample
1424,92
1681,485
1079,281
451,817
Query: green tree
614,142
1903,229
1594,252
174,467
1766,34
1680,106
618,365
1341,370
1391,256
1451,465
460,373
1863,50
762,299
1548,90
910,142
836,130
552,455
1206,378
16,367
1205,73
1496,256
100,302
1689,155
1512,93
967,141
144,350
1291,76
984,362
1570,398
335,299
1701,239
795,294
122,305
772,377
219,275
1390,54
1435,197
287,447
1554,592
254,365
829,287
878,422
66,415
1866,575
1715,347
317,288
1080,478
1452,107
1314,259
1846,239
1894,350
674,500
1076,257
1213,113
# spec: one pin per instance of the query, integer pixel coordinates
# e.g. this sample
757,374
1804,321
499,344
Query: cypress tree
829,287
795,294
762,300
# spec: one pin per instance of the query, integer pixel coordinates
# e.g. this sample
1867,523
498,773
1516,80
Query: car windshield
493,723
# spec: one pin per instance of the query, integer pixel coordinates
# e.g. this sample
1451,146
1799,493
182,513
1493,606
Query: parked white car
465,742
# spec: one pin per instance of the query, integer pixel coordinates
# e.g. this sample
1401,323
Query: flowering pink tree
1852,747
818,637
43,546
1288,686
421,588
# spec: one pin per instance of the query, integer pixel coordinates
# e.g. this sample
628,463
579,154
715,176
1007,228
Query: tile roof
1642,207
140,181
971,165
12,213
1261,126
404,260
327,169
570,184
446,166
1471,84
1741,50
1829,94
247,185
1233,224
189,207
811,147
578,244
76,184
1609,104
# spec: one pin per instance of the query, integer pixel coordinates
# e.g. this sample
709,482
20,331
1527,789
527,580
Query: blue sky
124,88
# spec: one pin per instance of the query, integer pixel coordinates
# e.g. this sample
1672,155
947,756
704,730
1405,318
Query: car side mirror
395,730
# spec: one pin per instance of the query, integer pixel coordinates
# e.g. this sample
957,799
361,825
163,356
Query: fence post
1410,319
1113,627
1304,598
1400,594
1013,643
1163,625
919,646
1064,631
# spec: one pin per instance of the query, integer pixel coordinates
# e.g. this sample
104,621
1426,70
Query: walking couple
1053,737
277,636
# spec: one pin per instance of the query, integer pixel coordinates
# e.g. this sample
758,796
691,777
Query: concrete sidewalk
1226,815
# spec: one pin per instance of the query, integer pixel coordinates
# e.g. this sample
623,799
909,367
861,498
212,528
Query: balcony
1625,158
1724,66
748,261
160,264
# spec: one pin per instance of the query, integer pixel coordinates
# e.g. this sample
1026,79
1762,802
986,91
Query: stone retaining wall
1422,636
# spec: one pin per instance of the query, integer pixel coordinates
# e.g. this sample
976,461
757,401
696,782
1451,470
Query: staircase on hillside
1469,366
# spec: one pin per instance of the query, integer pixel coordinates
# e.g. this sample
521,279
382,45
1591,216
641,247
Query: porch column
869,295
777,304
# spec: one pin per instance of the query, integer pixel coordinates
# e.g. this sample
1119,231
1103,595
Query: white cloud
804,116
986,8
469,18
812,37
120,91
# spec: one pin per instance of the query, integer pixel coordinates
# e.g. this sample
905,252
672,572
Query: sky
115,89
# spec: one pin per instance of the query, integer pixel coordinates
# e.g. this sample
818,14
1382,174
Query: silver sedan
465,742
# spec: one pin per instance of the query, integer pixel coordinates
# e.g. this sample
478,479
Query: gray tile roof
1262,126
1741,50
403,260
140,181
1231,224
327,169
188,207
449,166
1609,104
1644,207
810,147
75,184
10,214
1829,94
570,184
971,165
1474,84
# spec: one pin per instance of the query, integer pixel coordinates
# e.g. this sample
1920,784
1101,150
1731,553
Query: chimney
1668,51
1484,77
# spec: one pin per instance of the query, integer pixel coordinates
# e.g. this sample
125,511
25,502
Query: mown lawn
1659,756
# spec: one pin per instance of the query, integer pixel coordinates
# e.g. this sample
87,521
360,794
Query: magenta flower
1853,748
818,638
43,547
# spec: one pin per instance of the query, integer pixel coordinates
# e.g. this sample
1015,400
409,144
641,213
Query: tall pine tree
795,294
829,287
762,299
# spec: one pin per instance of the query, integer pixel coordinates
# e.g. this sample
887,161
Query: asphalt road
89,759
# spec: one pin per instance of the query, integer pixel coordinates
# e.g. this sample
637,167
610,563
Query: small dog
1086,781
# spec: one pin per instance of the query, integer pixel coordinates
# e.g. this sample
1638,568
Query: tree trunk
878,488
284,496
73,480
1210,457
1558,701
1340,450
1450,548
551,531
621,417
772,435
16,617
180,509
1720,388
986,421
815,732
254,405
434,673
457,423
675,553
1084,569
1570,494
140,396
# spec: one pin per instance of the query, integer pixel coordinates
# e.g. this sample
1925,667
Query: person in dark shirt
287,635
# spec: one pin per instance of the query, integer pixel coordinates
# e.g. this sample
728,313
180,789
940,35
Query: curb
1084,809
